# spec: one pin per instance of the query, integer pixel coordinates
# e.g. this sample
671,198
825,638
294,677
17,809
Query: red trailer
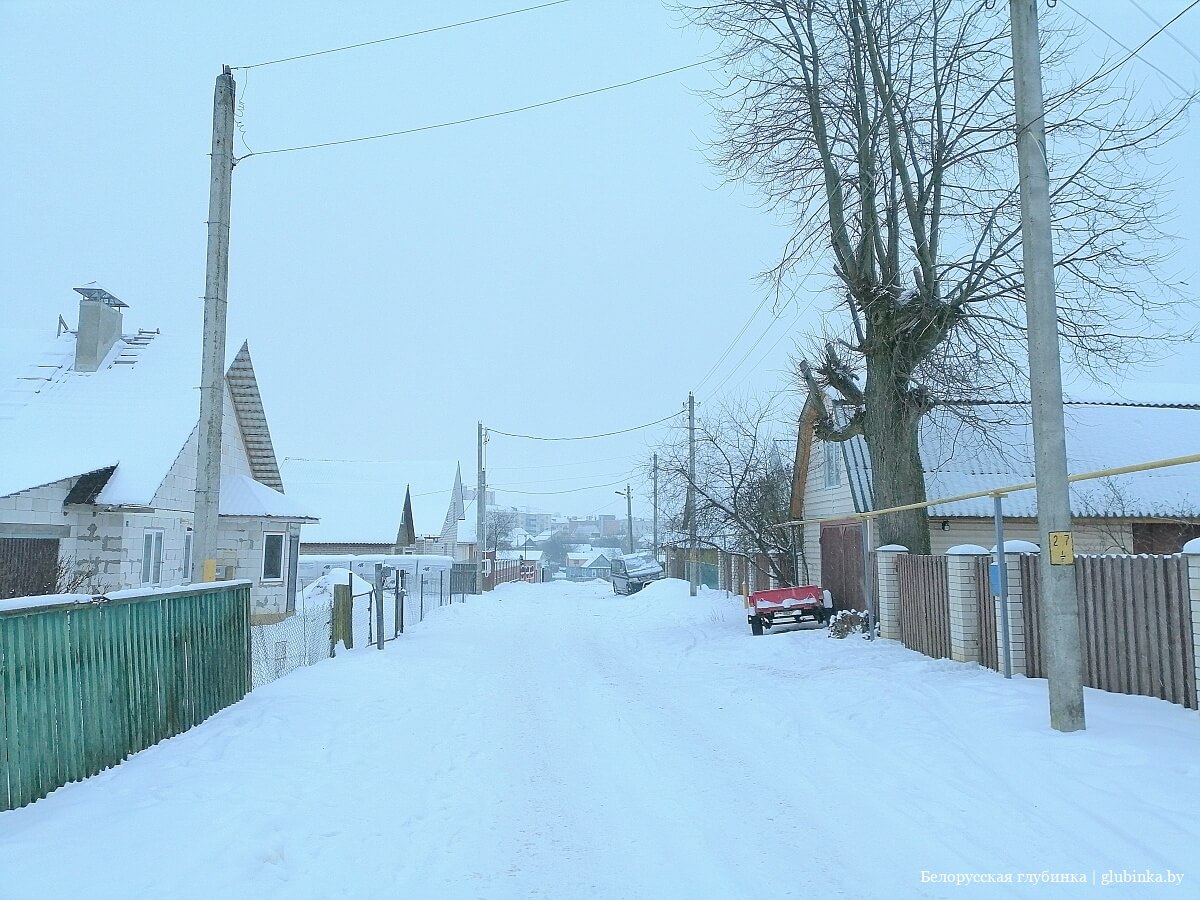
807,603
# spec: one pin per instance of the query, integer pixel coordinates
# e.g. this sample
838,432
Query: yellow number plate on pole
1062,549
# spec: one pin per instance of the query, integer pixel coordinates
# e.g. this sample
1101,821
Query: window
152,548
833,471
187,555
272,569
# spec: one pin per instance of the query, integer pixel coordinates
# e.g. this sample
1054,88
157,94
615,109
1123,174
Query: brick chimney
99,327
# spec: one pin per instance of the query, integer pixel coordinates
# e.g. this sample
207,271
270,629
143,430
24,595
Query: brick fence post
964,601
887,588
1192,551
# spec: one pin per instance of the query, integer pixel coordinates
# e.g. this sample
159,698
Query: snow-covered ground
555,741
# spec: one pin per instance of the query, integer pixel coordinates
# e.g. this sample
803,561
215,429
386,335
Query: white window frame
187,555
267,535
152,555
833,468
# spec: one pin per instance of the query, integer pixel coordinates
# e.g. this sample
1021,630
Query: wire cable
1186,49
480,118
591,487
1112,37
398,37
584,437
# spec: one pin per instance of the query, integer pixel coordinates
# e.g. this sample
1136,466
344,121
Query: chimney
99,327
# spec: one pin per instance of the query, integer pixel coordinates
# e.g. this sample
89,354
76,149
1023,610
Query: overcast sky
568,270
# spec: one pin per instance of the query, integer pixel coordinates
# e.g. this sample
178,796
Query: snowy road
563,743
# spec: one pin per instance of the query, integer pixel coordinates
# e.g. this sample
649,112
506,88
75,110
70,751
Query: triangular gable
407,535
457,509
252,419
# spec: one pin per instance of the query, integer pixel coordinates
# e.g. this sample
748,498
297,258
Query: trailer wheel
756,626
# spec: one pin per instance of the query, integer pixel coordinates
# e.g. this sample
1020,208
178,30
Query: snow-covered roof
960,459
363,502
241,495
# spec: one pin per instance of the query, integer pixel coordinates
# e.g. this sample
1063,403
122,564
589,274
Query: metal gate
28,566
463,578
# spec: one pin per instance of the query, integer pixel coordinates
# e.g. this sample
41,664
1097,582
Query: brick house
97,490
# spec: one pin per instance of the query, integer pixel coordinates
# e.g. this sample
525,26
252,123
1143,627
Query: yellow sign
1062,549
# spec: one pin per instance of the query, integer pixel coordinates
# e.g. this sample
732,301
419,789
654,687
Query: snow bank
559,741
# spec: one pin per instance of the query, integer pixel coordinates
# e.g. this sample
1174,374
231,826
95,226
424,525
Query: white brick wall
887,588
1194,583
964,607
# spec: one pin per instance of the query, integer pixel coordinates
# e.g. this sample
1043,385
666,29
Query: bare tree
883,132
69,576
498,525
743,485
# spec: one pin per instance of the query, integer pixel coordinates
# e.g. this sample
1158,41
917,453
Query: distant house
97,488
582,566
391,507
1148,512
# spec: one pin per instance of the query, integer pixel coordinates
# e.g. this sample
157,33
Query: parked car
633,571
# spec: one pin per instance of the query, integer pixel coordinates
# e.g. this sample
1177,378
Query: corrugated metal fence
83,686
1135,618
925,604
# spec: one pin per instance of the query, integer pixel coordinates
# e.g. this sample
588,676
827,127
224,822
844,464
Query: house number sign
1062,549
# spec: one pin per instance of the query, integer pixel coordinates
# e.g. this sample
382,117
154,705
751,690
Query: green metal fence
84,686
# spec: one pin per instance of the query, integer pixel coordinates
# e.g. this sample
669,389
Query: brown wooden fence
989,653
1135,619
924,604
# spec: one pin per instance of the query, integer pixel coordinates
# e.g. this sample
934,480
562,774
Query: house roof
133,415
962,458
241,495
363,503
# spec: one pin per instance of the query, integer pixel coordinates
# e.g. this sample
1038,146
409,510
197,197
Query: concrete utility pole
694,573
1060,611
480,505
629,514
655,514
212,372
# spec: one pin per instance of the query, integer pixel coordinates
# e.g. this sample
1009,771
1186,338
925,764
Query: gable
252,419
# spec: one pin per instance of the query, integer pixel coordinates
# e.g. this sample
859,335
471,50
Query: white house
97,488
1146,512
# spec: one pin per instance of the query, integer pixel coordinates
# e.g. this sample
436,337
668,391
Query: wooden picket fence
84,686
1135,619
924,604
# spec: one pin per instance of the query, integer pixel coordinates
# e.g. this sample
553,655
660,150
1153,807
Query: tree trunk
890,427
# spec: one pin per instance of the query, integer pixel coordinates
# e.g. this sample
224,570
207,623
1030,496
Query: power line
1136,50
494,115
581,462
587,437
1186,49
1112,37
398,37
591,487
737,337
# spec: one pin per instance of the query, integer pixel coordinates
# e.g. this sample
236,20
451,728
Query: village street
556,741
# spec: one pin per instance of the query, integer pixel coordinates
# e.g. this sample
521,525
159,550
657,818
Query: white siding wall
821,502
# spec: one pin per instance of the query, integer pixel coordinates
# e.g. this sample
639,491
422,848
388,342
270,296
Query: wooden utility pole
694,561
480,506
1060,610
212,372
